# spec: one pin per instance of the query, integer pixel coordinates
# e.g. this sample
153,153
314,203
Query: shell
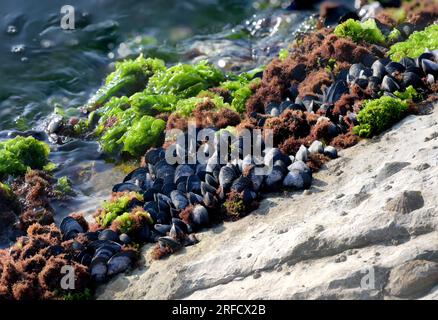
168,188
162,229
412,79
98,270
212,181
429,67
108,234
169,242
200,216
194,184
126,187
378,68
181,224
70,228
152,156
394,67
183,170
120,262
125,239
274,178
355,70
226,177
240,184
194,198
179,200
210,200
176,232
143,234
389,84
335,91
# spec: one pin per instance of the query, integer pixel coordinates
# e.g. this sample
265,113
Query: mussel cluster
390,76
368,80
104,251
184,198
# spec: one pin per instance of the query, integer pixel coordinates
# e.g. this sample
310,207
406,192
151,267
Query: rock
423,166
331,152
411,279
300,166
55,124
334,13
284,233
302,154
294,180
316,147
406,202
389,169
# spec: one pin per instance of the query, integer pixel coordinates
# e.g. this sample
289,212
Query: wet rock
294,180
300,166
406,202
331,152
412,278
302,154
316,147
334,13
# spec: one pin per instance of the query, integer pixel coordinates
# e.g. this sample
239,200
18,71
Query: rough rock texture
367,230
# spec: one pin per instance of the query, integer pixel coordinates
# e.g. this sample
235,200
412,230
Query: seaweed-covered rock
20,153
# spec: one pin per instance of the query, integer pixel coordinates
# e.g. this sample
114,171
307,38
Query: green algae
409,94
240,90
116,207
283,54
87,294
360,31
380,114
6,191
128,221
126,124
416,44
185,80
64,187
19,154
129,77
145,133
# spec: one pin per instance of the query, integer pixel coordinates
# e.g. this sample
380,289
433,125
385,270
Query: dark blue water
43,66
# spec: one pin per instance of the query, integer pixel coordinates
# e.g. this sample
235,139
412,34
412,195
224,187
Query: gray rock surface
336,241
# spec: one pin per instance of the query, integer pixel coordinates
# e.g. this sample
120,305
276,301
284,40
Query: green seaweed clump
143,134
283,54
129,77
379,114
185,80
416,44
241,91
19,154
409,94
185,107
360,31
63,186
6,192
118,205
126,123
121,129
128,222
